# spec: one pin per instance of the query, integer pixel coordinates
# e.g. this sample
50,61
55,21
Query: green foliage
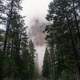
16,52
63,39
46,65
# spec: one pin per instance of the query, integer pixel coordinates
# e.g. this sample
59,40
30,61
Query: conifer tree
46,65
2,31
16,52
1,53
64,33
32,58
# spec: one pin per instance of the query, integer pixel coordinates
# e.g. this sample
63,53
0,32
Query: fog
36,10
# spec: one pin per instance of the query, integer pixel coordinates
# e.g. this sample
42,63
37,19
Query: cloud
37,32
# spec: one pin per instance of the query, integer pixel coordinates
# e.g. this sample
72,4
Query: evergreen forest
18,57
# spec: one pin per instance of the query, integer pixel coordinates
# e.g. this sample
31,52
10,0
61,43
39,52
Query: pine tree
13,7
2,31
16,52
28,53
25,57
64,33
1,53
46,65
12,40
32,57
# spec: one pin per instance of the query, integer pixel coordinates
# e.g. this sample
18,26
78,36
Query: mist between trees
18,59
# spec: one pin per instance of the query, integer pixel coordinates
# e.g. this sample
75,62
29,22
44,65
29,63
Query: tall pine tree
64,33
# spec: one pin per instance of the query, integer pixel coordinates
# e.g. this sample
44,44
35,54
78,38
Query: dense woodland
17,51
62,53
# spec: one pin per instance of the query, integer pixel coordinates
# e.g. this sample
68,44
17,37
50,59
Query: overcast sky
33,9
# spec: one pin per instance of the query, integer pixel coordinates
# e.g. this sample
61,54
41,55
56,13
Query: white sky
32,9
